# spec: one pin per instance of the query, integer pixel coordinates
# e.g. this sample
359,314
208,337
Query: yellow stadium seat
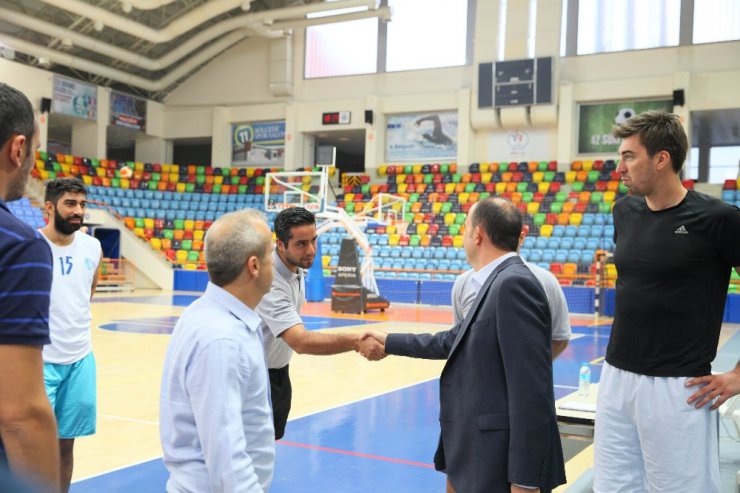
587,165
485,168
394,239
181,256
450,218
500,188
485,178
189,224
422,228
543,187
546,230
533,208
181,188
325,259
457,241
449,188
436,207
148,223
463,198
576,218
538,176
390,229
416,169
198,235
87,180
156,243
570,176
570,269
382,170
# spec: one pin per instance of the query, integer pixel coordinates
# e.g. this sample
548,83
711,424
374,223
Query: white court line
133,420
363,399
294,418
117,469
569,387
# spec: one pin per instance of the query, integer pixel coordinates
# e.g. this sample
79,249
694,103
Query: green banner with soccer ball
595,123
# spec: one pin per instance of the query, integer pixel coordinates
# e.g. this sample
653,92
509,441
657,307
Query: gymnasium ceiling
149,47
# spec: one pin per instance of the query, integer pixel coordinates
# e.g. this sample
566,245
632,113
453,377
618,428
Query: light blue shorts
73,396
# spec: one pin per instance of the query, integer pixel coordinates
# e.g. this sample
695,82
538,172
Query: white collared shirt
215,415
480,276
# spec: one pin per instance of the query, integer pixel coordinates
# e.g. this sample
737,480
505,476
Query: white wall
235,87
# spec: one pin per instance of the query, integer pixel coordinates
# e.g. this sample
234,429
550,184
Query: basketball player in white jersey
69,364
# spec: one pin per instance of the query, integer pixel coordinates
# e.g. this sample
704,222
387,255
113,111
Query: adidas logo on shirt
681,230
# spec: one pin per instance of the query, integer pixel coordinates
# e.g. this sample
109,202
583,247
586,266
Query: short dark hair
501,220
658,131
289,218
57,187
16,116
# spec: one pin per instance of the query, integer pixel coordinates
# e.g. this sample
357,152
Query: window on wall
691,170
618,25
723,163
716,20
426,34
343,48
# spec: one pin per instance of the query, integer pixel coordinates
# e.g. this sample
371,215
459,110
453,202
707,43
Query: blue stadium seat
553,243
535,255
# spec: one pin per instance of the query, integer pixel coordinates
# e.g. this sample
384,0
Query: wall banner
75,98
127,111
595,122
258,144
421,137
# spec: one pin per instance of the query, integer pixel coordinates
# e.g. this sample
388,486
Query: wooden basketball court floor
356,426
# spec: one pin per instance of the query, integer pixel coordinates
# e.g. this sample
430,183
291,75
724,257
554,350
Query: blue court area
383,443
165,325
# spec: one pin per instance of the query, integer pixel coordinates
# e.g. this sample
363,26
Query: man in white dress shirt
215,417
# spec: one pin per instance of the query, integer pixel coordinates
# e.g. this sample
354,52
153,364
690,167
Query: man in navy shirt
28,430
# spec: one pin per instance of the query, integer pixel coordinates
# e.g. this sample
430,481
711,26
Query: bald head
231,240
500,220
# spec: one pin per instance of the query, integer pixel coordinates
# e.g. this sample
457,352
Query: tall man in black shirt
674,253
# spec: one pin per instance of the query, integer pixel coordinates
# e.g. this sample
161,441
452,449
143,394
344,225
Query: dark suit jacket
497,408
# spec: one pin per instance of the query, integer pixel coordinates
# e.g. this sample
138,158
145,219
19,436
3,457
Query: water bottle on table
584,379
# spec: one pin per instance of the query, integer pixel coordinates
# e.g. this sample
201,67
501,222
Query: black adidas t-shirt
674,266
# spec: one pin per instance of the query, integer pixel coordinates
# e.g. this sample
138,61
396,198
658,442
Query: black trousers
282,394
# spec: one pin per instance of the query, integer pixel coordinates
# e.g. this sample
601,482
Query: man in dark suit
497,408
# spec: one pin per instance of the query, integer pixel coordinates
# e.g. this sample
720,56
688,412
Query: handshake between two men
372,345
